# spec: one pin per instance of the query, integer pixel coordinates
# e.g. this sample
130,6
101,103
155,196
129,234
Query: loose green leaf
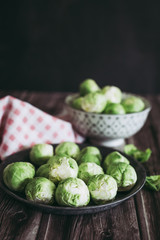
153,182
141,156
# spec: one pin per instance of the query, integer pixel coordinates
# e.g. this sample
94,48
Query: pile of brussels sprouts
107,100
70,177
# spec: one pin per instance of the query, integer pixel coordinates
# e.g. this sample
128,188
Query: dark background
54,45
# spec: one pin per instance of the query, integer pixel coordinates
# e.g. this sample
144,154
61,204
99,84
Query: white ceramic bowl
107,129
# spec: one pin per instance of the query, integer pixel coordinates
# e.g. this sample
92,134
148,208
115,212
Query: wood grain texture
147,202
136,218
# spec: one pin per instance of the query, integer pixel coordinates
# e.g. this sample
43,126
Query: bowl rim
147,108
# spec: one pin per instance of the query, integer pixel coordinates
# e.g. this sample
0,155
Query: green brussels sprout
72,192
112,158
88,157
112,94
94,102
55,158
88,86
133,104
103,188
88,169
141,156
114,108
61,168
40,153
43,171
90,150
77,103
124,174
16,175
40,190
70,149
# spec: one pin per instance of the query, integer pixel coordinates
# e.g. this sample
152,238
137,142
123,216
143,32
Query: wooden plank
16,219
104,225
124,221
52,227
29,229
147,202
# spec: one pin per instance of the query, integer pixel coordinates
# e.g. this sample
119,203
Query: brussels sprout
40,153
153,182
112,94
124,174
16,175
141,156
133,104
77,103
112,158
72,192
55,158
40,190
87,170
68,148
88,157
43,171
102,187
114,108
94,102
61,168
89,150
88,86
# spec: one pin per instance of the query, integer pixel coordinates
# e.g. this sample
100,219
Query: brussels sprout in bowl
109,129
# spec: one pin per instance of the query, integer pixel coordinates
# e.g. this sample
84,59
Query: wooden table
136,218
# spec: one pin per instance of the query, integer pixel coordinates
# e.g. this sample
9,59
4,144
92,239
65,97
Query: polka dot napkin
22,125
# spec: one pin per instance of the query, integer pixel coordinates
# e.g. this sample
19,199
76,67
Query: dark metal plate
24,156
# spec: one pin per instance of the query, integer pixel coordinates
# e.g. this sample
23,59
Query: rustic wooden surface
136,218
